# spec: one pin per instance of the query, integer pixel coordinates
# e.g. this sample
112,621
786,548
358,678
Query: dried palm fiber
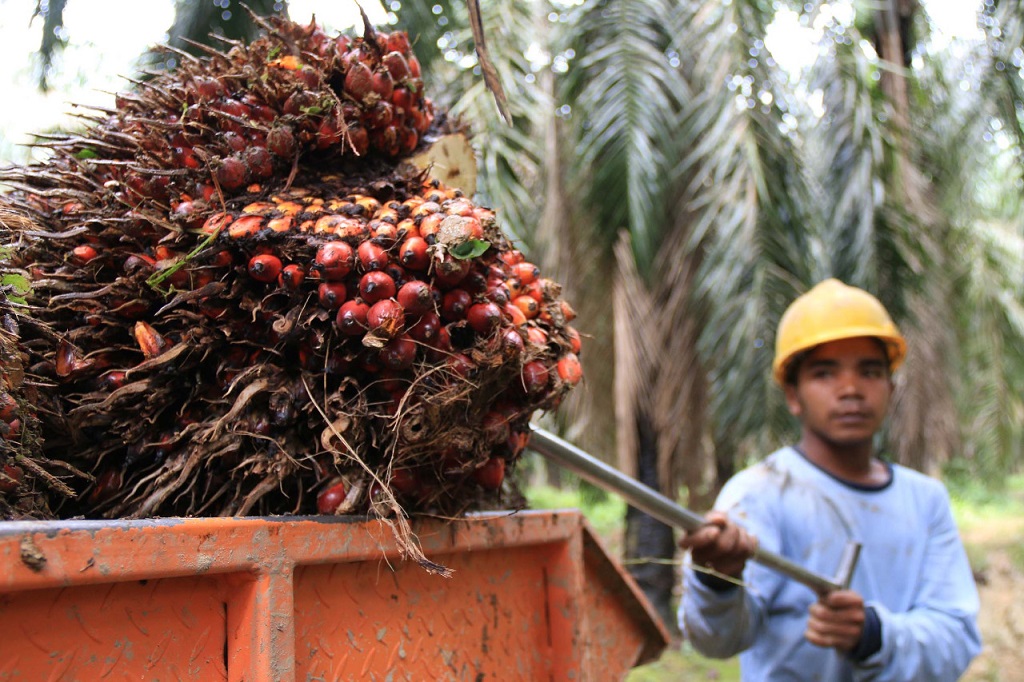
258,305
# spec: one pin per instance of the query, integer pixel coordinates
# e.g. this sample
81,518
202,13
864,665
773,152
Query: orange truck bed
533,596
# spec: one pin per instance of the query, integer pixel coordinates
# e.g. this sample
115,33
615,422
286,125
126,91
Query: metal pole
665,510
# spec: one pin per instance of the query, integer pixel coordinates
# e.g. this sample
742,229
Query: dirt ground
997,554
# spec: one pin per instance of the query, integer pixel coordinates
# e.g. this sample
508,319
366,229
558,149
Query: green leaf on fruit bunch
274,51
312,111
471,248
86,153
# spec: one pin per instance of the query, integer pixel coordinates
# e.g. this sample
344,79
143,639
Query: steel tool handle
665,510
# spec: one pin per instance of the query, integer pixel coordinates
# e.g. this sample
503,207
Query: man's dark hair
793,367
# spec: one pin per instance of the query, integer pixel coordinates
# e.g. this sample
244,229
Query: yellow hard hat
829,312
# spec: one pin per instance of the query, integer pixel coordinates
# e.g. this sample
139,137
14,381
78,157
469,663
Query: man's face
842,391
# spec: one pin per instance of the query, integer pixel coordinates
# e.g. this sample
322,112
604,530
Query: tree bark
649,542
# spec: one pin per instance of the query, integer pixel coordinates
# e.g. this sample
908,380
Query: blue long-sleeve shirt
913,572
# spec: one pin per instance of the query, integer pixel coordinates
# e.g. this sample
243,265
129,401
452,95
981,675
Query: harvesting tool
665,510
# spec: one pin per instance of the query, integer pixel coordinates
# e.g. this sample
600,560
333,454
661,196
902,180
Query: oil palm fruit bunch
27,479
257,308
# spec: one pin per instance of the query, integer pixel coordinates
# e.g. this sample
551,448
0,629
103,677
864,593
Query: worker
910,611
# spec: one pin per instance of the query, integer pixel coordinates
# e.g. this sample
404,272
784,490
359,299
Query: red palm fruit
399,353
245,226
329,133
106,486
461,365
299,102
397,65
387,140
359,81
358,141
206,88
397,273
526,272
281,142
292,276
475,282
10,478
527,305
410,139
10,430
232,107
535,377
83,253
568,314
280,224
150,341
234,141
515,287
416,297
185,157
8,406
380,116
491,475
383,84
575,343
112,380
449,271
535,291
426,329
512,343
331,497
264,267
232,173
331,295
498,293
495,427
371,256
222,259
334,260
414,253
376,286
430,224
483,317
351,318
261,165
385,316
403,98
309,76
455,304
404,482
515,314
398,41
569,369
414,67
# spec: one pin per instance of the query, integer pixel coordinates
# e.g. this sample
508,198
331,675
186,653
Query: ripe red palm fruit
281,142
569,369
260,163
264,267
331,497
359,81
292,276
491,475
399,353
483,317
455,304
416,297
535,377
352,317
385,316
426,330
331,294
371,256
232,173
375,286
397,65
414,253
334,260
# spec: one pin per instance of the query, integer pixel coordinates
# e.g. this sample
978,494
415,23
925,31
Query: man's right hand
721,545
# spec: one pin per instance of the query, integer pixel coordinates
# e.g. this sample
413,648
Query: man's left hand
836,621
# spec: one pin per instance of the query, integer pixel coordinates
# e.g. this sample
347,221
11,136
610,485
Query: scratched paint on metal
318,598
157,629
492,620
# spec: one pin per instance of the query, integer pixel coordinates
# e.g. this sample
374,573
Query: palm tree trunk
648,541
